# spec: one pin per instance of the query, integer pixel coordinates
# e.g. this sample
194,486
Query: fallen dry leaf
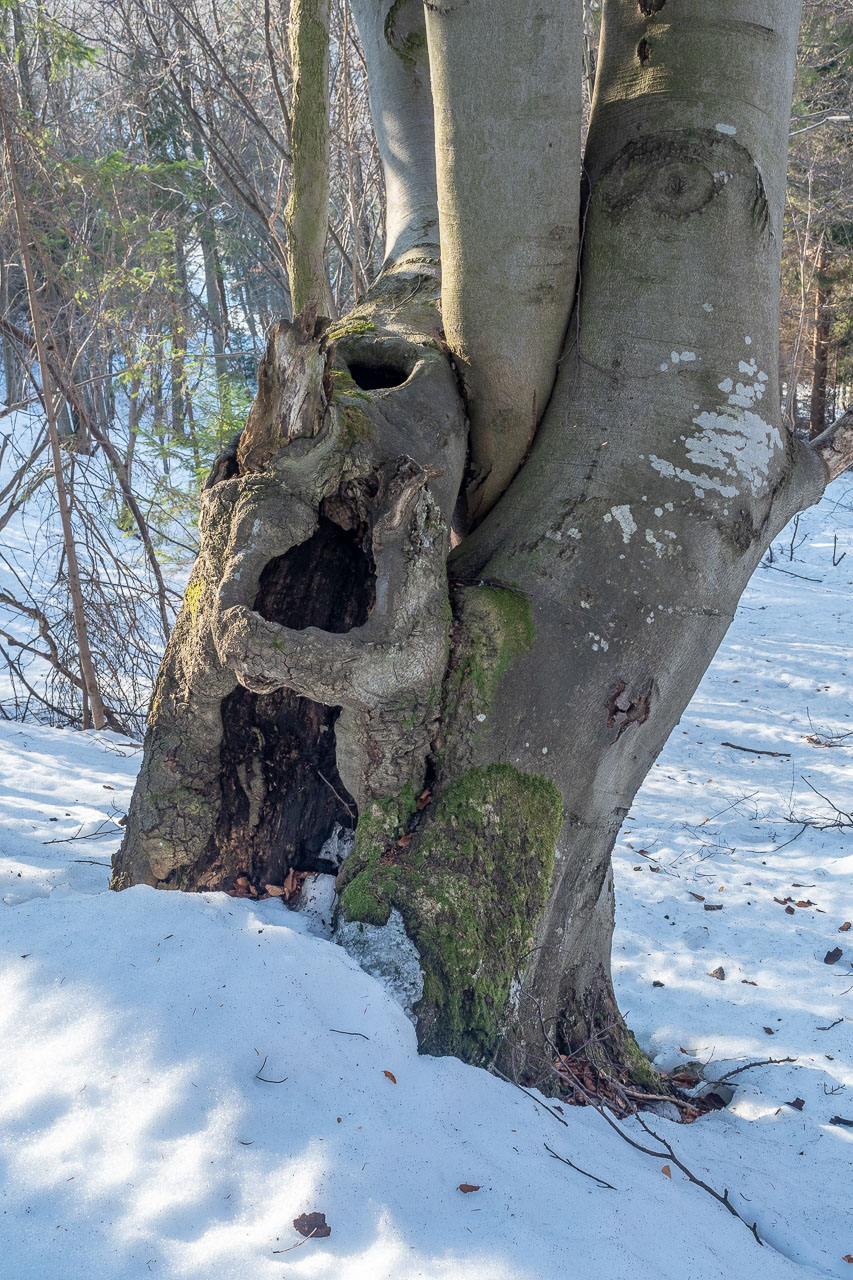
769,1031
312,1224
390,1075
666,1171
790,911
293,883
833,956
805,902
467,1187
275,889
844,927
848,1257
797,1104
423,800
698,896
747,982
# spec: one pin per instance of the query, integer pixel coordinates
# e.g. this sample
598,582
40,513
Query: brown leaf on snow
390,1075
698,896
805,902
747,982
293,883
769,1031
312,1224
833,956
666,1171
848,1257
844,927
719,973
797,1104
790,911
467,1187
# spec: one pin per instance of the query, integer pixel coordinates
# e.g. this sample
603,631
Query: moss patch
351,325
355,425
493,627
470,884
639,1067
193,595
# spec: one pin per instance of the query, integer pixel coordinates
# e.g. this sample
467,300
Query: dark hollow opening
281,791
376,377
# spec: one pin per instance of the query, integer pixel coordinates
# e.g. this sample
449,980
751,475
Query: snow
183,1075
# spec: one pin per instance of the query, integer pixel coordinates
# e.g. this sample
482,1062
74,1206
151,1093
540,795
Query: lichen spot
622,516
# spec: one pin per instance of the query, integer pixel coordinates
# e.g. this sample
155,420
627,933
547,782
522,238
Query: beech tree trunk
820,344
489,713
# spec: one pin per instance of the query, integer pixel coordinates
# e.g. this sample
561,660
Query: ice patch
337,847
726,128
317,904
387,953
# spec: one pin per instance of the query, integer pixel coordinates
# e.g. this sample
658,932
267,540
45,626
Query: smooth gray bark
506,80
394,42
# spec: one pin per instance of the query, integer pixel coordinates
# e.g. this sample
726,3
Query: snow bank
183,1075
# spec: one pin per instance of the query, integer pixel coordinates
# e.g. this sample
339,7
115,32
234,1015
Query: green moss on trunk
470,882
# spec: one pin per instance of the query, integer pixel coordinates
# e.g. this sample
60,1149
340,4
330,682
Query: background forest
148,144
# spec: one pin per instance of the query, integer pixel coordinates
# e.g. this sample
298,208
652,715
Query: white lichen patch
622,516
707,306
387,953
734,442
726,128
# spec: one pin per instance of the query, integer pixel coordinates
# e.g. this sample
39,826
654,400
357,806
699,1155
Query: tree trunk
490,717
820,344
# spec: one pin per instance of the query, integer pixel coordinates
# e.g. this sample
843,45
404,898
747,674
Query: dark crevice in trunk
281,791
376,377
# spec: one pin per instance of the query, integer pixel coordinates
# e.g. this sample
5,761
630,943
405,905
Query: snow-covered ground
183,1076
